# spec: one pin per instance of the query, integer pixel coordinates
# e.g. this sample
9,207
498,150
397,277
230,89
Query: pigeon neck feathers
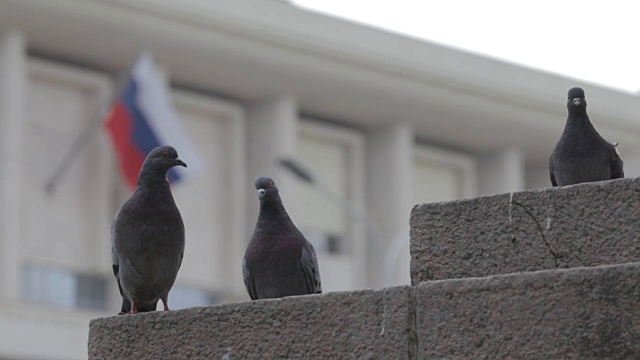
578,124
273,214
153,177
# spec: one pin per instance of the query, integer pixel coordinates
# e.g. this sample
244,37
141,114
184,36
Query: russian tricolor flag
142,118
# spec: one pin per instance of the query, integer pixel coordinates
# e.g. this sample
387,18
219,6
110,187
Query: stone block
574,226
343,325
582,313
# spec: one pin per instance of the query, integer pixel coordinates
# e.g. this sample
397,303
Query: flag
142,118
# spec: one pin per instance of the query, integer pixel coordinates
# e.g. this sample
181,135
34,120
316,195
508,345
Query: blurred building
381,120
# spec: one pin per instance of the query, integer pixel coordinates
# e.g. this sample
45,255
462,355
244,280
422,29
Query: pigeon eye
165,155
270,184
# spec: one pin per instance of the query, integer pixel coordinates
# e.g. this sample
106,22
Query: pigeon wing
248,281
116,268
553,178
126,305
617,171
551,175
115,265
310,269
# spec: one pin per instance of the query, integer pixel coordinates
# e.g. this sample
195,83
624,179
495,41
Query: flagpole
83,138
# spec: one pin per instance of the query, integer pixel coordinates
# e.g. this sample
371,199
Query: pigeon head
267,188
158,162
576,101
163,158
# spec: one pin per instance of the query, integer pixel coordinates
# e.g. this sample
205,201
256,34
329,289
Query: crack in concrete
384,310
555,255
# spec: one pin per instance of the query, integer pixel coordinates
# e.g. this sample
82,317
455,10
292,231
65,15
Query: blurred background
385,105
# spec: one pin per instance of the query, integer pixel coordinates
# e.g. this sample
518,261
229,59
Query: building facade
383,122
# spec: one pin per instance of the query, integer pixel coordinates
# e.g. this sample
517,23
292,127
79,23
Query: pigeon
279,261
147,237
582,155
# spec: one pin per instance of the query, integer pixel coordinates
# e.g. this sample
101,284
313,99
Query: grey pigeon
278,261
582,155
147,237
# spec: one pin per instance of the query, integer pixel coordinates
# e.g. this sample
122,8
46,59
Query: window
91,291
68,228
440,175
327,159
181,297
62,288
214,219
324,241
323,212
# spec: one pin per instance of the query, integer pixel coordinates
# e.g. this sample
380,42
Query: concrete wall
363,324
579,225
586,313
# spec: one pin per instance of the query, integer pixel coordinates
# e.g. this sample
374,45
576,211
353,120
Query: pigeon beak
576,101
261,193
180,162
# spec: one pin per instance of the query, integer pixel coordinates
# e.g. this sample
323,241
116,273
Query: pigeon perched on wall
147,237
582,155
278,261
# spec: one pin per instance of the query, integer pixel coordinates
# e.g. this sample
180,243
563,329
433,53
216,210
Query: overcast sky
596,41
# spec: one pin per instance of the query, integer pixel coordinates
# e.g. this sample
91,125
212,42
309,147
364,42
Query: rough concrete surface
585,313
573,226
349,325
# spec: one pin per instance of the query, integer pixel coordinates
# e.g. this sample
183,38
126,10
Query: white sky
596,41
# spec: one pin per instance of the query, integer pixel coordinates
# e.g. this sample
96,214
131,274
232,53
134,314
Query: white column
501,172
389,164
271,134
13,80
